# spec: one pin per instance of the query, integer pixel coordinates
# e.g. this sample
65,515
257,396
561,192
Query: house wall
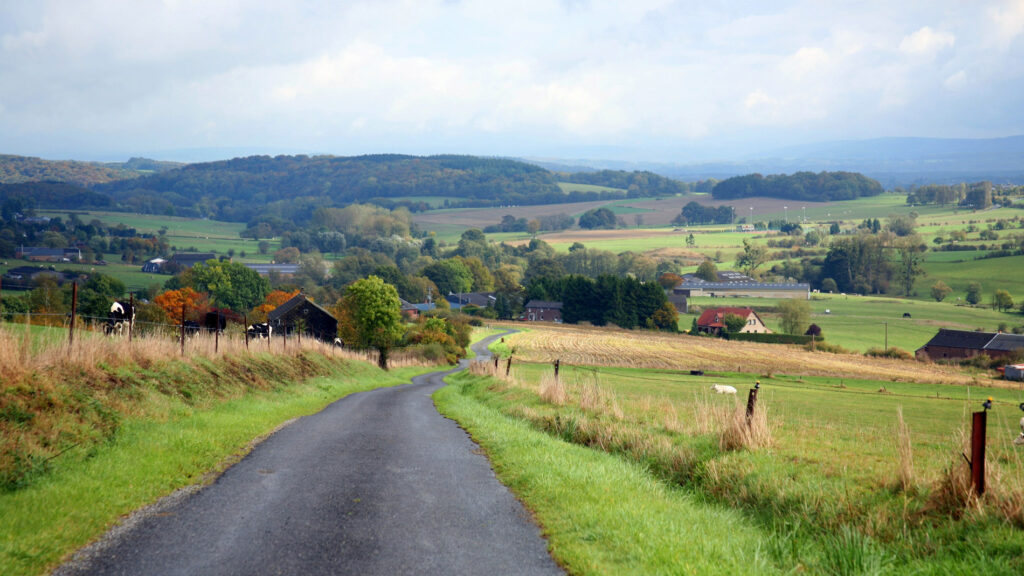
947,353
754,326
543,314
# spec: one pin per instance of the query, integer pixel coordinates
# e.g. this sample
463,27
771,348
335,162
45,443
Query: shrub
890,352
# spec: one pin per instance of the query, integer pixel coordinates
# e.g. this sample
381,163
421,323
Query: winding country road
376,483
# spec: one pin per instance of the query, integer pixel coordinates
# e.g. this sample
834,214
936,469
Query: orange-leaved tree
172,301
272,301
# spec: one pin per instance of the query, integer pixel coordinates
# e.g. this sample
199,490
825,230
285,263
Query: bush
770,338
890,352
820,346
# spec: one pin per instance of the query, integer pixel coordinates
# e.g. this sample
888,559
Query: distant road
377,483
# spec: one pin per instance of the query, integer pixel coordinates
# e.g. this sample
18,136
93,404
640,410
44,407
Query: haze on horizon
650,80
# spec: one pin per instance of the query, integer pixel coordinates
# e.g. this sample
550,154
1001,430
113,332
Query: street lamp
751,215
786,212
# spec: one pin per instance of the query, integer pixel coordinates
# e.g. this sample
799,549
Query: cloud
927,42
956,81
1007,22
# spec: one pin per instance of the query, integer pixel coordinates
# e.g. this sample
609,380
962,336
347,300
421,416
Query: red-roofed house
712,321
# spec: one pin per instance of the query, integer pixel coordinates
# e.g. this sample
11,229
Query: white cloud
1007,21
956,81
806,60
927,42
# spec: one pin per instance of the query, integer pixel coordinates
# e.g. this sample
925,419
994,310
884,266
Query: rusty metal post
216,336
978,424
508,366
245,327
74,310
557,363
131,321
751,404
183,329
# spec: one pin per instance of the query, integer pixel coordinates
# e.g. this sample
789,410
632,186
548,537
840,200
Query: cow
191,328
259,331
120,318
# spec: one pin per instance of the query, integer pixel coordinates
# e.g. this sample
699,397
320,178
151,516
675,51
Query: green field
861,322
573,187
821,498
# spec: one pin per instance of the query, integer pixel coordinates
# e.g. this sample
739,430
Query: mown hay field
592,346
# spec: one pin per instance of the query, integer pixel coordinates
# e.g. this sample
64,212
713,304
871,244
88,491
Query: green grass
1005,273
573,187
603,515
84,495
820,499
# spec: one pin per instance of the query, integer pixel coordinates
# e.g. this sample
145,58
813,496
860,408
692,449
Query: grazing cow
906,314
120,318
191,328
723,389
259,331
339,342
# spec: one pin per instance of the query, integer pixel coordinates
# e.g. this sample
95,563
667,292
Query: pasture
829,488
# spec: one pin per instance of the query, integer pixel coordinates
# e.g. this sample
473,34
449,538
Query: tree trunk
382,358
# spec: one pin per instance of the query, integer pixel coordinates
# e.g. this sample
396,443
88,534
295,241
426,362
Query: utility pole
886,335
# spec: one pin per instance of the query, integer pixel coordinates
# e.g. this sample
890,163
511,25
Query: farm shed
712,321
963,344
542,311
737,289
301,313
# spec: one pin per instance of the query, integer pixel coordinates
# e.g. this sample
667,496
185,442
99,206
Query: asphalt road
377,483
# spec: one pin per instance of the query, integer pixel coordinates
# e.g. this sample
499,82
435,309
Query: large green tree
751,258
230,285
371,316
795,316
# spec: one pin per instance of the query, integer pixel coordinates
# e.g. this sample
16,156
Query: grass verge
84,494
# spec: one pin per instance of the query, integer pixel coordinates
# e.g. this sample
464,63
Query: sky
644,80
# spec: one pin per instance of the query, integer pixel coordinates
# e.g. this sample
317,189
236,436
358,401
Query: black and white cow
120,319
259,331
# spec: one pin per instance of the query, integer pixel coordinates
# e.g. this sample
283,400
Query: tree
795,316
753,257
173,301
271,302
372,316
598,218
707,271
973,293
231,285
734,323
666,318
910,251
287,255
1002,300
940,290
829,285
691,241
451,276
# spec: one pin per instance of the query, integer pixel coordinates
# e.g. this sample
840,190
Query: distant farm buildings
736,285
42,254
964,344
267,269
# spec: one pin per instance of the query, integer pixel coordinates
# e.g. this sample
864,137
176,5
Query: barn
302,315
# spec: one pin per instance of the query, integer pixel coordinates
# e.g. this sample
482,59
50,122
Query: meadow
823,487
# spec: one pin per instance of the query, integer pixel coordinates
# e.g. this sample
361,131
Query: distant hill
807,186
17,169
51,195
292,187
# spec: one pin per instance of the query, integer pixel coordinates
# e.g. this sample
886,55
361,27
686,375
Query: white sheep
722,389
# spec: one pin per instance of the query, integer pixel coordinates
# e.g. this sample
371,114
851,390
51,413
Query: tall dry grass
743,433
905,453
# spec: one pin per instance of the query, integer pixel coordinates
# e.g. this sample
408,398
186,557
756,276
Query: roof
543,304
961,339
710,286
480,299
29,271
192,258
265,269
293,303
714,317
1007,342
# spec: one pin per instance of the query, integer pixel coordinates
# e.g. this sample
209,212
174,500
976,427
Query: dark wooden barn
300,314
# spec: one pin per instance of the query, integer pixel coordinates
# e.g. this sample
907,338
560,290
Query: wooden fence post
183,329
245,327
131,320
557,363
979,423
508,366
752,401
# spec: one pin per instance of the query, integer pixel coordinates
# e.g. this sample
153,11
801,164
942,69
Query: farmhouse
413,311
542,311
303,315
963,344
712,321
154,266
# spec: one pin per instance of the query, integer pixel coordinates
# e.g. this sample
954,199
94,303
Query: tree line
808,186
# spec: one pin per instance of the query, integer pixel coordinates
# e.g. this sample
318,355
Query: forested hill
18,169
808,186
292,187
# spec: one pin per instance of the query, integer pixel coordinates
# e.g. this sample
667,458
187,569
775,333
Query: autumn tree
272,301
173,301
940,290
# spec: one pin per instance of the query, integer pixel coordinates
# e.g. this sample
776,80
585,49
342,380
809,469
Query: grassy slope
149,458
